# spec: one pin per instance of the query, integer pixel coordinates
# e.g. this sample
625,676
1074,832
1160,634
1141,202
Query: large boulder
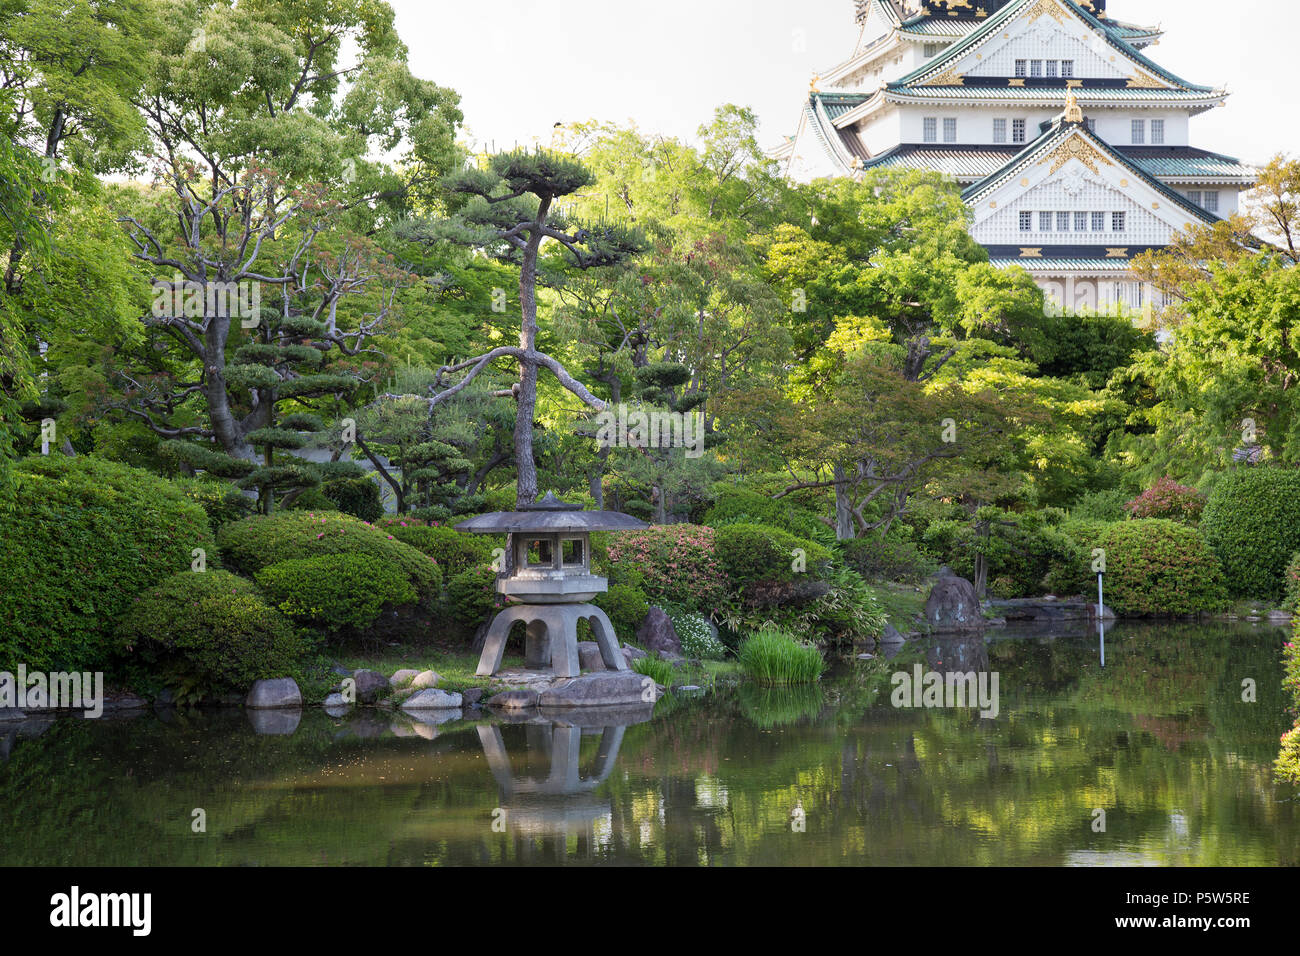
371,686
403,677
657,633
425,679
433,699
274,694
953,605
519,699
600,690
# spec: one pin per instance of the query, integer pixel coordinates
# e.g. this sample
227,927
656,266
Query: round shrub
888,559
1071,573
454,551
472,596
736,505
1157,566
1252,523
626,608
1168,499
211,629
258,542
81,538
678,564
336,592
753,554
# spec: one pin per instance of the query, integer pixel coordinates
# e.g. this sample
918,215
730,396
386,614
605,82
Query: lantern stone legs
552,638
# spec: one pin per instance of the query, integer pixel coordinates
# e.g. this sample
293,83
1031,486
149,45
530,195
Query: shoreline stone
277,693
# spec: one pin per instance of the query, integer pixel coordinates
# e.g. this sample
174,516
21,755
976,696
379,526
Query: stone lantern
550,583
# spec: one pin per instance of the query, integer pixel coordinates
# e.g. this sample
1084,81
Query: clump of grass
661,671
774,658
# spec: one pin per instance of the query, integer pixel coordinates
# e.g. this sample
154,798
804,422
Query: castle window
1211,201
1044,222
1080,222
1051,67
1067,68
1158,132
1062,222
1117,222
1026,221
999,131
1035,67
1098,222
1022,67
950,129
1139,132
1090,123
930,129
932,49
1018,131
1194,195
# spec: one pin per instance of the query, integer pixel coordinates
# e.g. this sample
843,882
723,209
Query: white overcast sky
523,65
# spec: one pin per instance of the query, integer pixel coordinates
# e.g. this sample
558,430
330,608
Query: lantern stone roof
549,515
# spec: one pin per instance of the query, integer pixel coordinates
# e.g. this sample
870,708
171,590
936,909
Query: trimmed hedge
1252,523
1157,566
753,554
358,497
211,629
626,608
336,592
82,537
888,559
736,505
220,500
258,542
472,596
1168,499
454,550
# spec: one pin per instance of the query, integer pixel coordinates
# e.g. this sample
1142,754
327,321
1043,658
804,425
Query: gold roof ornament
1073,111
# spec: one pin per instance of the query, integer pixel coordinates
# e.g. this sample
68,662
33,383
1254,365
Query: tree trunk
844,529
525,467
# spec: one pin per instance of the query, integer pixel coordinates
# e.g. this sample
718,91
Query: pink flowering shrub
678,564
1168,499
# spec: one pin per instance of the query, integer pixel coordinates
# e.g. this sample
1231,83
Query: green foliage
753,554
454,551
1020,548
221,501
250,545
1288,758
678,564
1072,572
472,596
733,504
82,537
358,497
211,630
336,592
626,607
774,657
657,669
1110,505
1252,523
887,559
1157,566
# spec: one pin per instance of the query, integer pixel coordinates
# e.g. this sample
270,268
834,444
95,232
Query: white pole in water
1101,622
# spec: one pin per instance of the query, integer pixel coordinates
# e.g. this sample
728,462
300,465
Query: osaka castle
1071,143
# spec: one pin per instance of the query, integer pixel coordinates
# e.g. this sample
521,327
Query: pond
1160,741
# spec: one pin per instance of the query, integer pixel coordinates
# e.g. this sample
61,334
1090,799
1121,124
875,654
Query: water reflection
1160,739
543,789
